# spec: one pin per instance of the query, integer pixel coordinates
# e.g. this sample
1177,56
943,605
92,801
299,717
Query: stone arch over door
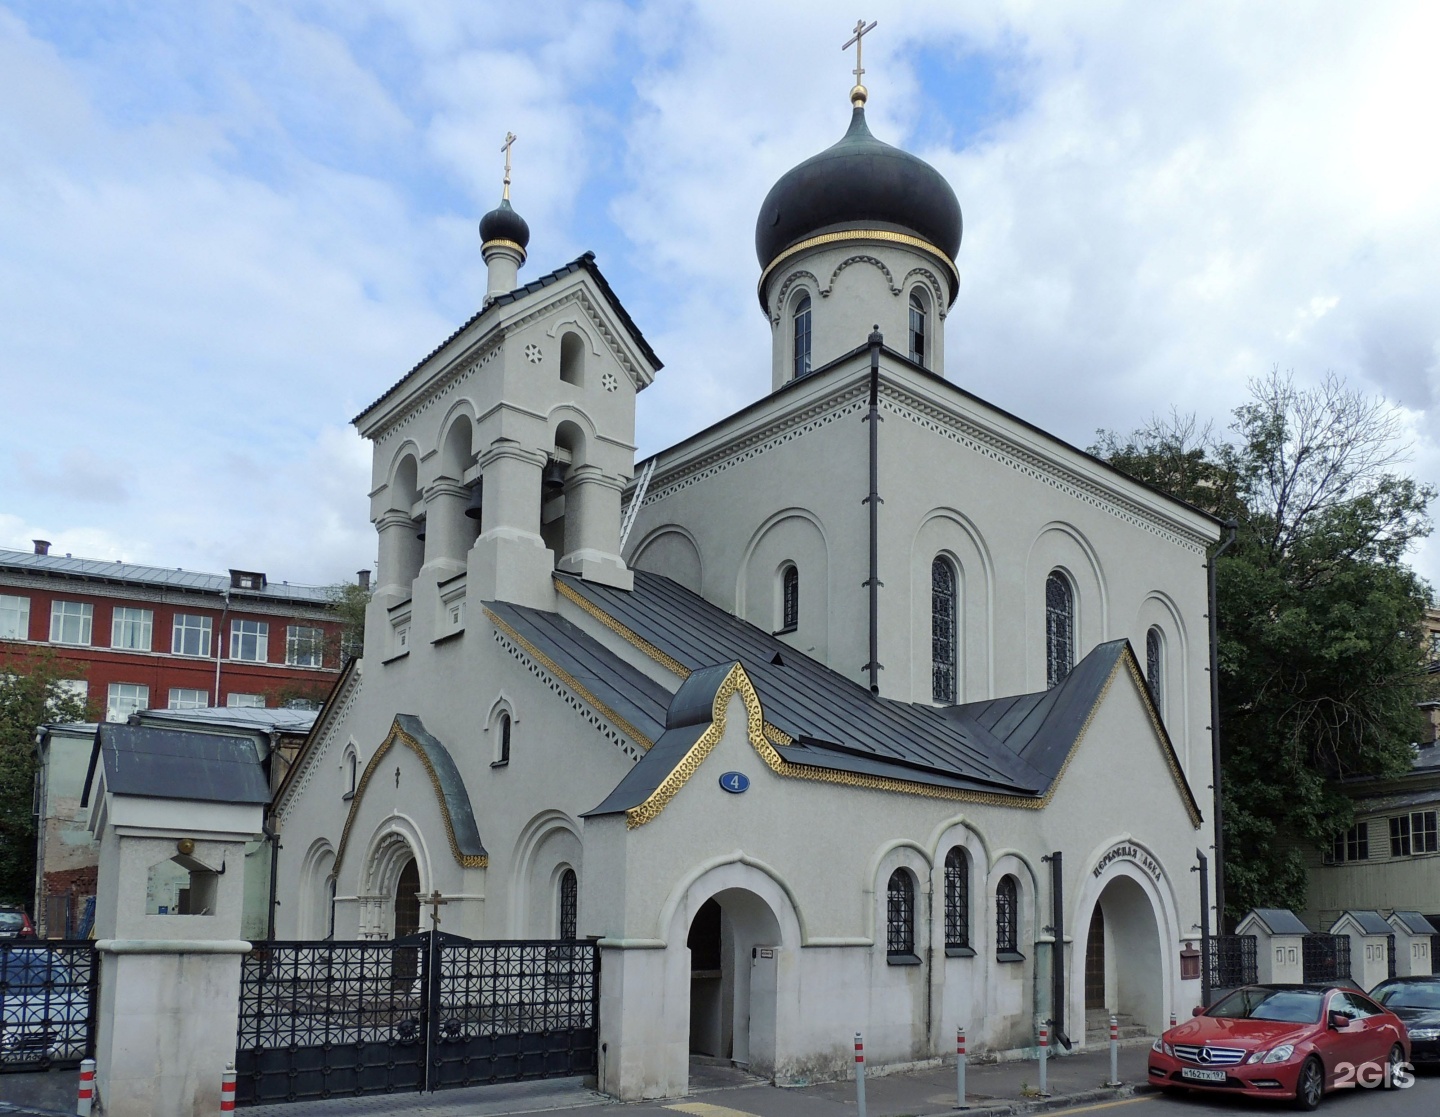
1140,938
395,845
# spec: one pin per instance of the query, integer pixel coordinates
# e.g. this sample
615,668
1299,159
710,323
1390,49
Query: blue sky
226,227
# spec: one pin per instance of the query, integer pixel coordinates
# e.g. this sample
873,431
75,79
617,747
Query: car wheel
1394,1067
1310,1084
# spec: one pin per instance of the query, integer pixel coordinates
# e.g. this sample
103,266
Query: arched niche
945,532
793,536
1061,547
672,552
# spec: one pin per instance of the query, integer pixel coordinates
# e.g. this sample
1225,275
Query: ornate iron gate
47,1004
1325,957
1233,961
426,1012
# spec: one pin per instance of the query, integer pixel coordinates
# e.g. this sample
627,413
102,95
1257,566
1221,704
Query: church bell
420,529
552,480
473,506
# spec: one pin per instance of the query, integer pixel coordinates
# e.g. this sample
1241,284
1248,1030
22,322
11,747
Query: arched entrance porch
1123,971
734,942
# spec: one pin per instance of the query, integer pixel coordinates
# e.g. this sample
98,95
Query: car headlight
1425,1033
1164,1048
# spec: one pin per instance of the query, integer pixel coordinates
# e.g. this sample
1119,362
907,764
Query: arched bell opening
559,521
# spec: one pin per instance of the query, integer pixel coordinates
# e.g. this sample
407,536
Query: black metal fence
1233,961
47,1004
326,1019
1325,957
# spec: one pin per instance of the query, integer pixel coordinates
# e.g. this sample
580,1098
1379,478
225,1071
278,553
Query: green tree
349,601
31,694
1320,619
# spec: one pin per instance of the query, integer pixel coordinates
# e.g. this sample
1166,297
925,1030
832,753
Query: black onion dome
860,182
503,223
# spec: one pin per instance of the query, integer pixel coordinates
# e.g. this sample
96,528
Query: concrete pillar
592,527
1412,944
503,259
510,561
1279,953
447,530
401,554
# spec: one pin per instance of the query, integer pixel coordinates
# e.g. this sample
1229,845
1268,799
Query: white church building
798,744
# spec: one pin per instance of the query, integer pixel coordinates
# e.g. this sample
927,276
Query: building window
304,646
190,635
245,701
1059,628
250,640
568,905
14,617
77,689
131,628
70,622
957,900
800,319
789,598
184,699
942,631
1413,833
1007,920
1155,668
1353,844
503,754
917,328
352,771
900,916
125,699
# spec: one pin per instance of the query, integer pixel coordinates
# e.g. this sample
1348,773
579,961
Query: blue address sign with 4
735,782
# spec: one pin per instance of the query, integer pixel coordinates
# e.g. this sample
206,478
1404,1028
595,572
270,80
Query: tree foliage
349,600
1320,619
31,694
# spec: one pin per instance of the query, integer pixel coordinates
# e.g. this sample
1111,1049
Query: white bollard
860,1072
1044,1056
960,1069
1172,1020
85,1095
1114,1052
227,1090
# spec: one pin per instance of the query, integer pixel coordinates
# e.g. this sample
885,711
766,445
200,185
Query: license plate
1202,1075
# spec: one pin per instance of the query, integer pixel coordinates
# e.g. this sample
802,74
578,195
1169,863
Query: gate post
169,981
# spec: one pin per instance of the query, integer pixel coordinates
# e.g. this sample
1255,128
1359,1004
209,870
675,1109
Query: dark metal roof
160,763
1371,922
452,787
1414,922
624,692
584,262
97,570
253,719
503,223
1281,921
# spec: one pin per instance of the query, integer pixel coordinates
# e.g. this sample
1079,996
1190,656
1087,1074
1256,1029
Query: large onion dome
503,223
859,183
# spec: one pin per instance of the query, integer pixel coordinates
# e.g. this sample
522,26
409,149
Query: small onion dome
503,223
859,183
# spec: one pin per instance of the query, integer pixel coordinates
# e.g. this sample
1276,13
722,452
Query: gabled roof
1280,921
1414,922
585,262
129,573
157,763
1370,922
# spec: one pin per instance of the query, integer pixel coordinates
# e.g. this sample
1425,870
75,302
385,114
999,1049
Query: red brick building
151,638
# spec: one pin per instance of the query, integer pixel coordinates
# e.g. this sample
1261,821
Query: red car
1284,1041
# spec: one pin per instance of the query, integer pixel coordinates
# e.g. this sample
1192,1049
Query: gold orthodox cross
510,138
435,901
858,43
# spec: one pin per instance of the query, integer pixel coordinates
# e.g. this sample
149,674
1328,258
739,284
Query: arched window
943,686
352,766
800,321
1155,667
900,916
572,359
789,598
1059,628
957,900
330,899
504,727
917,328
567,905
1007,920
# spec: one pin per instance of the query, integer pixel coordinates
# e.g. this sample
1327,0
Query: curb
1001,1107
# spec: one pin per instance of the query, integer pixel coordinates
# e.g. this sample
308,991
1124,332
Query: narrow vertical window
1155,668
957,900
943,657
504,739
352,766
1059,629
568,904
900,915
917,328
789,598
1007,919
800,321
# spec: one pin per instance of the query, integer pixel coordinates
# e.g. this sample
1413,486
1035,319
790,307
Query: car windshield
11,921
1290,1006
1409,994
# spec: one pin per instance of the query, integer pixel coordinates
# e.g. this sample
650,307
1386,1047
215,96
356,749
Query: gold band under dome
502,243
861,234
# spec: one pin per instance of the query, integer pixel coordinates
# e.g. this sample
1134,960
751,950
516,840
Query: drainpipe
876,340
1231,527
1203,869
1057,949
220,642
273,838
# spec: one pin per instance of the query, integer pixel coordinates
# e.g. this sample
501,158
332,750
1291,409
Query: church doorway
1124,966
405,963
733,943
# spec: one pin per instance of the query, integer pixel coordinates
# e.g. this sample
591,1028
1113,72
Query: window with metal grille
800,320
569,904
900,915
1007,917
1059,628
957,899
917,328
1155,667
789,598
943,656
